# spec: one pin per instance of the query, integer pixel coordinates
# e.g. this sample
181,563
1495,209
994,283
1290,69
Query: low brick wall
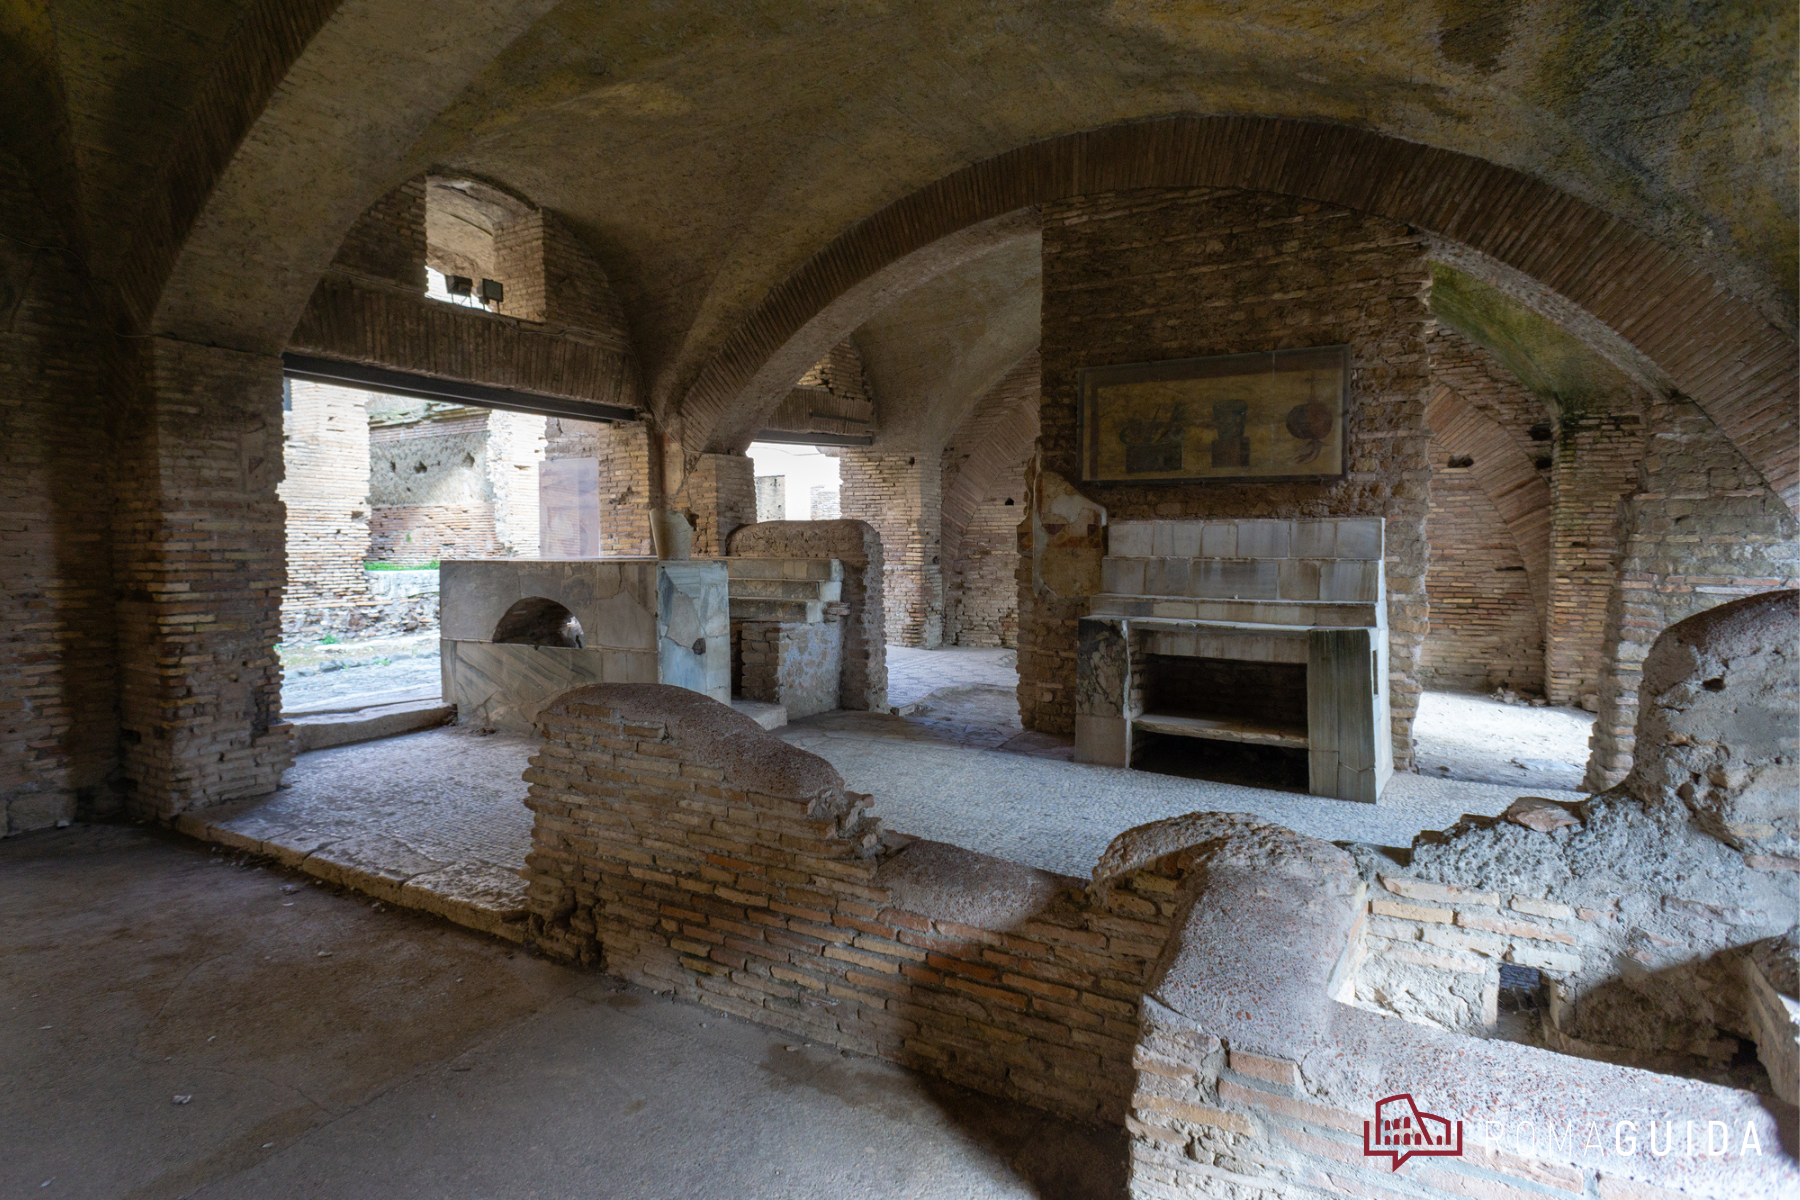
1433,951
1188,991
683,848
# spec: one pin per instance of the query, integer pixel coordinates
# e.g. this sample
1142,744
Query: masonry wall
718,491
428,490
561,331
680,846
459,484
981,606
514,450
325,455
58,705
984,500
791,663
900,496
621,453
1486,629
1177,273
198,556
1701,528
1598,460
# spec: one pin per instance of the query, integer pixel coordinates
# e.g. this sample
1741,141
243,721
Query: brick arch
1515,488
274,175
1718,349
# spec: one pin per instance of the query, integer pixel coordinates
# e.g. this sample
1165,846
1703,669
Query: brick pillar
718,492
199,560
901,495
1597,460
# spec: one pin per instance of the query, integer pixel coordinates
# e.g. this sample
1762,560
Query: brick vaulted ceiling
740,168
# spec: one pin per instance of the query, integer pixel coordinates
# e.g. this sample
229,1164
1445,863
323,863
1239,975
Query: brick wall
981,605
984,468
325,457
1598,457
1486,627
561,330
900,496
833,396
415,534
461,483
858,547
1176,273
198,559
1701,528
718,492
686,849
58,703
387,243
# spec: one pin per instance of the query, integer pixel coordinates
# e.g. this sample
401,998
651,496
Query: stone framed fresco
1231,418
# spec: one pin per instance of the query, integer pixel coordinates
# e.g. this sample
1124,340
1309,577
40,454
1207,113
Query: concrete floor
180,1022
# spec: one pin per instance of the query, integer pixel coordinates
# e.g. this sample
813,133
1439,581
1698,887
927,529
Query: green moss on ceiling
1549,360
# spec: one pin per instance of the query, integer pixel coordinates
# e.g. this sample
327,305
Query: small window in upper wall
452,289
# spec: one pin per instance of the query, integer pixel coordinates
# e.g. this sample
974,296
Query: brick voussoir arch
1720,350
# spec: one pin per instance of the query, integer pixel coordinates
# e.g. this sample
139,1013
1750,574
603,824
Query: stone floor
433,820
914,674
1479,738
182,1023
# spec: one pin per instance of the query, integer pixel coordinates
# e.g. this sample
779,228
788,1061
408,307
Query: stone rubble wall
857,545
325,454
460,484
1641,905
1173,273
901,497
791,663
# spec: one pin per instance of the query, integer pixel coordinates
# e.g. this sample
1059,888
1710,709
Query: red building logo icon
1401,1131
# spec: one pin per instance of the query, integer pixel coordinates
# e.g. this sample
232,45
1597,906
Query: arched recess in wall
1719,350
998,437
267,178
1507,478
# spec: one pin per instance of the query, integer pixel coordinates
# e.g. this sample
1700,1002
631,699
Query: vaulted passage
780,555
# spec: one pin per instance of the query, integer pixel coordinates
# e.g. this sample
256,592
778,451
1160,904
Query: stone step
786,589
769,716
785,568
809,612
321,731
